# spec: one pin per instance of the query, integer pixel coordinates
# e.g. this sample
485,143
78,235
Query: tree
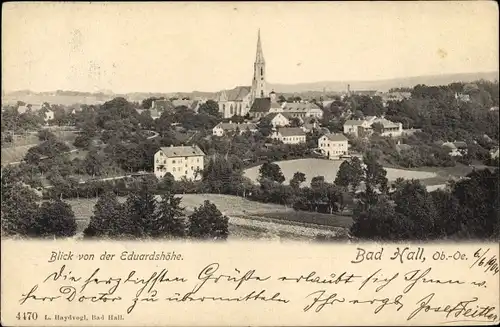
141,212
207,222
297,179
350,174
377,222
108,218
170,220
271,171
19,208
210,108
55,219
378,127
45,135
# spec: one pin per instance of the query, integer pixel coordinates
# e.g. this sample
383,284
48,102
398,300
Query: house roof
261,105
236,94
336,137
291,131
386,123
182,151
354,122
300,106
234,126
271,116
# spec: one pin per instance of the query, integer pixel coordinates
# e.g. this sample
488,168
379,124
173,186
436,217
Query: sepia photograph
250,163
329,124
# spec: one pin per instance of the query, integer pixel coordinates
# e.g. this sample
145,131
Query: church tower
259,73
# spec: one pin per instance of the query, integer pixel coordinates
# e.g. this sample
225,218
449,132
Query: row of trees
141,216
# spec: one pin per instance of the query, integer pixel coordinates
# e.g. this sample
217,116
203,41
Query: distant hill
311,89
383,85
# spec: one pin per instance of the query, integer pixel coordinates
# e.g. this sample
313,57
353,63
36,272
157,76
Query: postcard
250,164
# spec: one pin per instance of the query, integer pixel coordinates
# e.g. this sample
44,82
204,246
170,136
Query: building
48,115
457,149
494,153
180,161
262,107
223,128
276,119
190,104
259,73
389,128
290,135
302,110
364,127
356,128
310,124
239,100
333,146
235,102
162,105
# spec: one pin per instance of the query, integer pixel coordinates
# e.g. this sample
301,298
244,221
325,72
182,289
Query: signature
464,308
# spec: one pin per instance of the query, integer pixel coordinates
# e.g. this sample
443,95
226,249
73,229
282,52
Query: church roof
261,105
236,94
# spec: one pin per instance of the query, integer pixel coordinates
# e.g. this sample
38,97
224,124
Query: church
239,100
257,102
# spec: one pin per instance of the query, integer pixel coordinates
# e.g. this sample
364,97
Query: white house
456,149
364,127
277,120
180,161
290,135
356,127
333,146
49,115
222,128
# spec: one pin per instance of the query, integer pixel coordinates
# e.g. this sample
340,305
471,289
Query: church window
261,71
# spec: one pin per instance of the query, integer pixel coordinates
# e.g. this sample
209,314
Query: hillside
310,89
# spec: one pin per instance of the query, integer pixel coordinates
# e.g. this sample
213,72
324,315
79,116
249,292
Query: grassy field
231,206
311,218
15,154
329,168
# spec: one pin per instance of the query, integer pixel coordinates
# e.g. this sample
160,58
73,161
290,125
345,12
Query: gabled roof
261,105
271,116
300,106
182,151
336,137
291,131
236,94
354,122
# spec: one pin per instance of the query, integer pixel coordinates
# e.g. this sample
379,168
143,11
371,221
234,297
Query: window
157,161
173,161
186,172
173,169
261,71
161,154
164,161
198,160
192,168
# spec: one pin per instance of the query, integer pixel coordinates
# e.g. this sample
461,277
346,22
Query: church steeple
259,72
259,58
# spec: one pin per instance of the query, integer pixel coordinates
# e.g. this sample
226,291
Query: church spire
259,58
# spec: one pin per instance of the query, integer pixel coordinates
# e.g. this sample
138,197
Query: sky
181,47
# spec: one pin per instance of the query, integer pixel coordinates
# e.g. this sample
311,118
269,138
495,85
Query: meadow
329,169
247,219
